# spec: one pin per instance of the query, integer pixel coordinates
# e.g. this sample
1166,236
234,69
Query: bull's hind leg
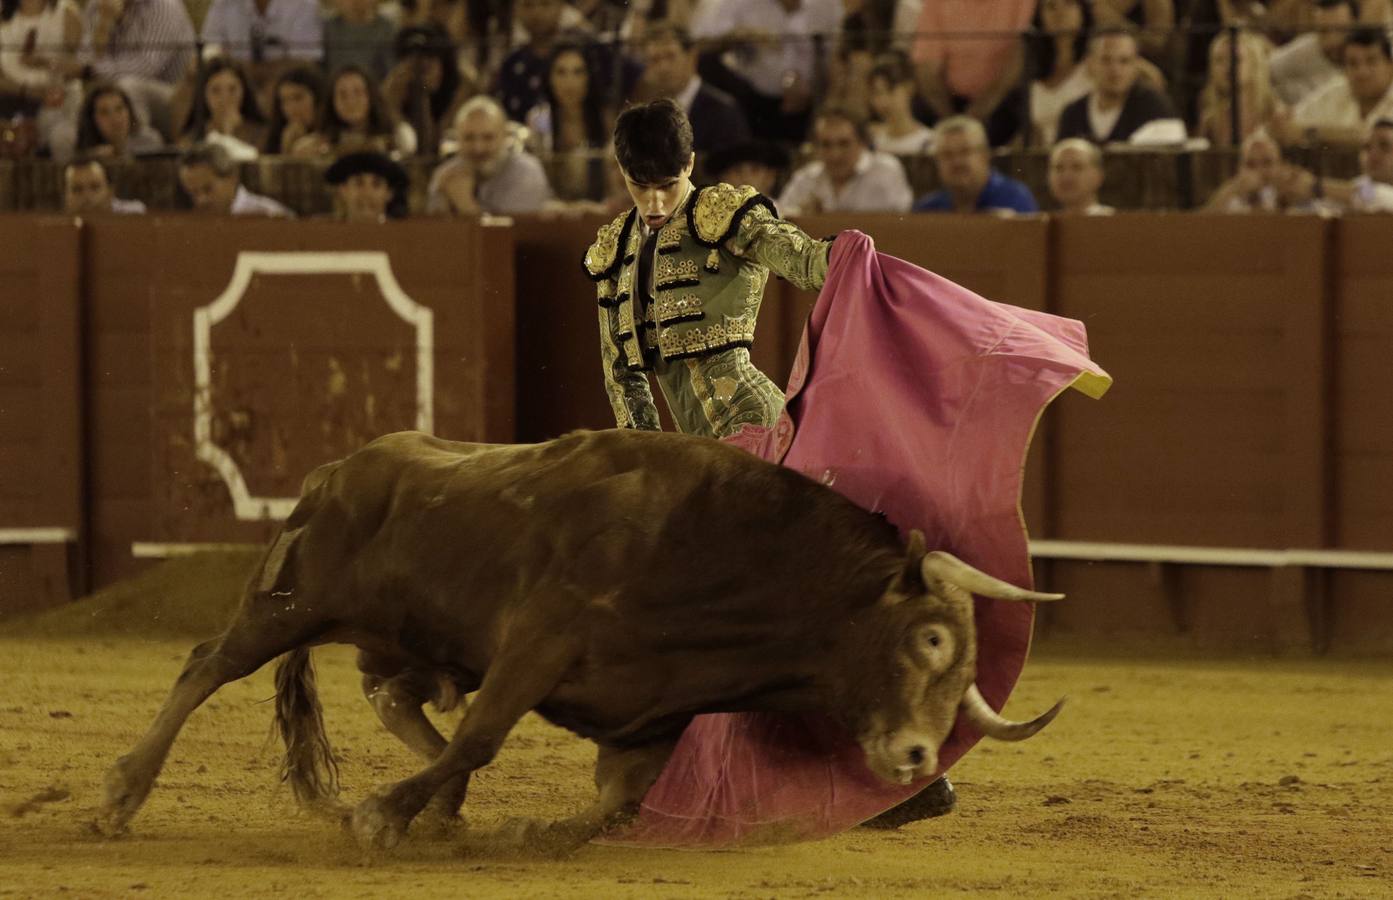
398,702
623,777
248,644
521,676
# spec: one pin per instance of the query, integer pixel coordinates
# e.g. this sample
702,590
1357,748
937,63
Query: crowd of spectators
817,102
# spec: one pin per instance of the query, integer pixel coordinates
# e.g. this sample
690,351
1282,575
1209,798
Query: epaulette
602,257
715,212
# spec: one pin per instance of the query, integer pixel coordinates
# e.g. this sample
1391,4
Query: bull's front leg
623,778
398,702
521,676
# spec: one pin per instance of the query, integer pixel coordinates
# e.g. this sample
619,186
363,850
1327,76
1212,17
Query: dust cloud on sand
1199,777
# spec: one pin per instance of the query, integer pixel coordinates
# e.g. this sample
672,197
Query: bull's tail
309,764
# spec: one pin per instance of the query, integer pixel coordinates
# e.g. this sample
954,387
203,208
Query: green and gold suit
691,324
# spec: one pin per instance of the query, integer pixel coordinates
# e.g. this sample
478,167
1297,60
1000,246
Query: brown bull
618,583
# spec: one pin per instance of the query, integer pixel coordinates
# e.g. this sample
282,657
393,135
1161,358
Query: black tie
645,269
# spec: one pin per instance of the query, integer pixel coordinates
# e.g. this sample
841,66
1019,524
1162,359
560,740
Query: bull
616,582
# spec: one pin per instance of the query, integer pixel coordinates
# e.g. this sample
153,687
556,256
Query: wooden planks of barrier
1215,331
41,458
256,350
1363,409
559,383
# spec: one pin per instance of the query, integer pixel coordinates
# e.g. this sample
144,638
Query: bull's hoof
437,824
520,833
329,810
375,827
531,837
108,824
124,795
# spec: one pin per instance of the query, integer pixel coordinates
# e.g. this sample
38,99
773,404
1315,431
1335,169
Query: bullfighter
680,278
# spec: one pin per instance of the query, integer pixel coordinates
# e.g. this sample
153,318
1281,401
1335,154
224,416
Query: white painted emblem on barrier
245,506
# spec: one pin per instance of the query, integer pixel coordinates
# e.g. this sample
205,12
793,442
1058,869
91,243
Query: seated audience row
492,173
1266,183
368,187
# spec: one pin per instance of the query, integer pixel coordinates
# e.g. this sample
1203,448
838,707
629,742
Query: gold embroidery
670,235
733,330
755,293
676,271
626,320
783,248
633,353
716,206
670,308
703,395
626,283
605,289
713,260
601,254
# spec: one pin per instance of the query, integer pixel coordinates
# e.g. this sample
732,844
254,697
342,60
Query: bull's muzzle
903,757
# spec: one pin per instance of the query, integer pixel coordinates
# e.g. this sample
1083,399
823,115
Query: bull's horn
947,567
989,721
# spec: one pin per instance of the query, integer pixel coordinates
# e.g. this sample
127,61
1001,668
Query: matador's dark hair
653,141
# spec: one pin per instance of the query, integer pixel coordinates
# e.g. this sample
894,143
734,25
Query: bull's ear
917,548
910,581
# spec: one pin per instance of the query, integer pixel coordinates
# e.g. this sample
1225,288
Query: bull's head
926,632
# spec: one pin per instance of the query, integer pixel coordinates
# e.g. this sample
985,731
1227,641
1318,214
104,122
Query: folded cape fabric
916,398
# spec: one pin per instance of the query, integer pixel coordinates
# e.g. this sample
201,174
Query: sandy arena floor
1247,778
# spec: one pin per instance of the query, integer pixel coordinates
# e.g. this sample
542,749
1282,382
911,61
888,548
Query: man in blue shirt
970,184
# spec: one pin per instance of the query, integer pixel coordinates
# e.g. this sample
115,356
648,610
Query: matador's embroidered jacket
694,327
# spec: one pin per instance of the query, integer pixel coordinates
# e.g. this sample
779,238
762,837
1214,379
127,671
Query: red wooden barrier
41,461
239,355
1251,407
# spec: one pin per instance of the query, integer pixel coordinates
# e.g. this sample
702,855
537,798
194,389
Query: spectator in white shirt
896,130
37,43
767,55
1254,187
1310,61
1371,192
1059,50
1076,175
210,178
847,176
1344,110
490,173
87,189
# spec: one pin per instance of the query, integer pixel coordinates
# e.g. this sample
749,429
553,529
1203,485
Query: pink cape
914,397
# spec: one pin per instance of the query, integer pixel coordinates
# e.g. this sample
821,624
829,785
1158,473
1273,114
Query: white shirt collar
863,163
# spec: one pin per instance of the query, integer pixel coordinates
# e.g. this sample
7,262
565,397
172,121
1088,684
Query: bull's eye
936,644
